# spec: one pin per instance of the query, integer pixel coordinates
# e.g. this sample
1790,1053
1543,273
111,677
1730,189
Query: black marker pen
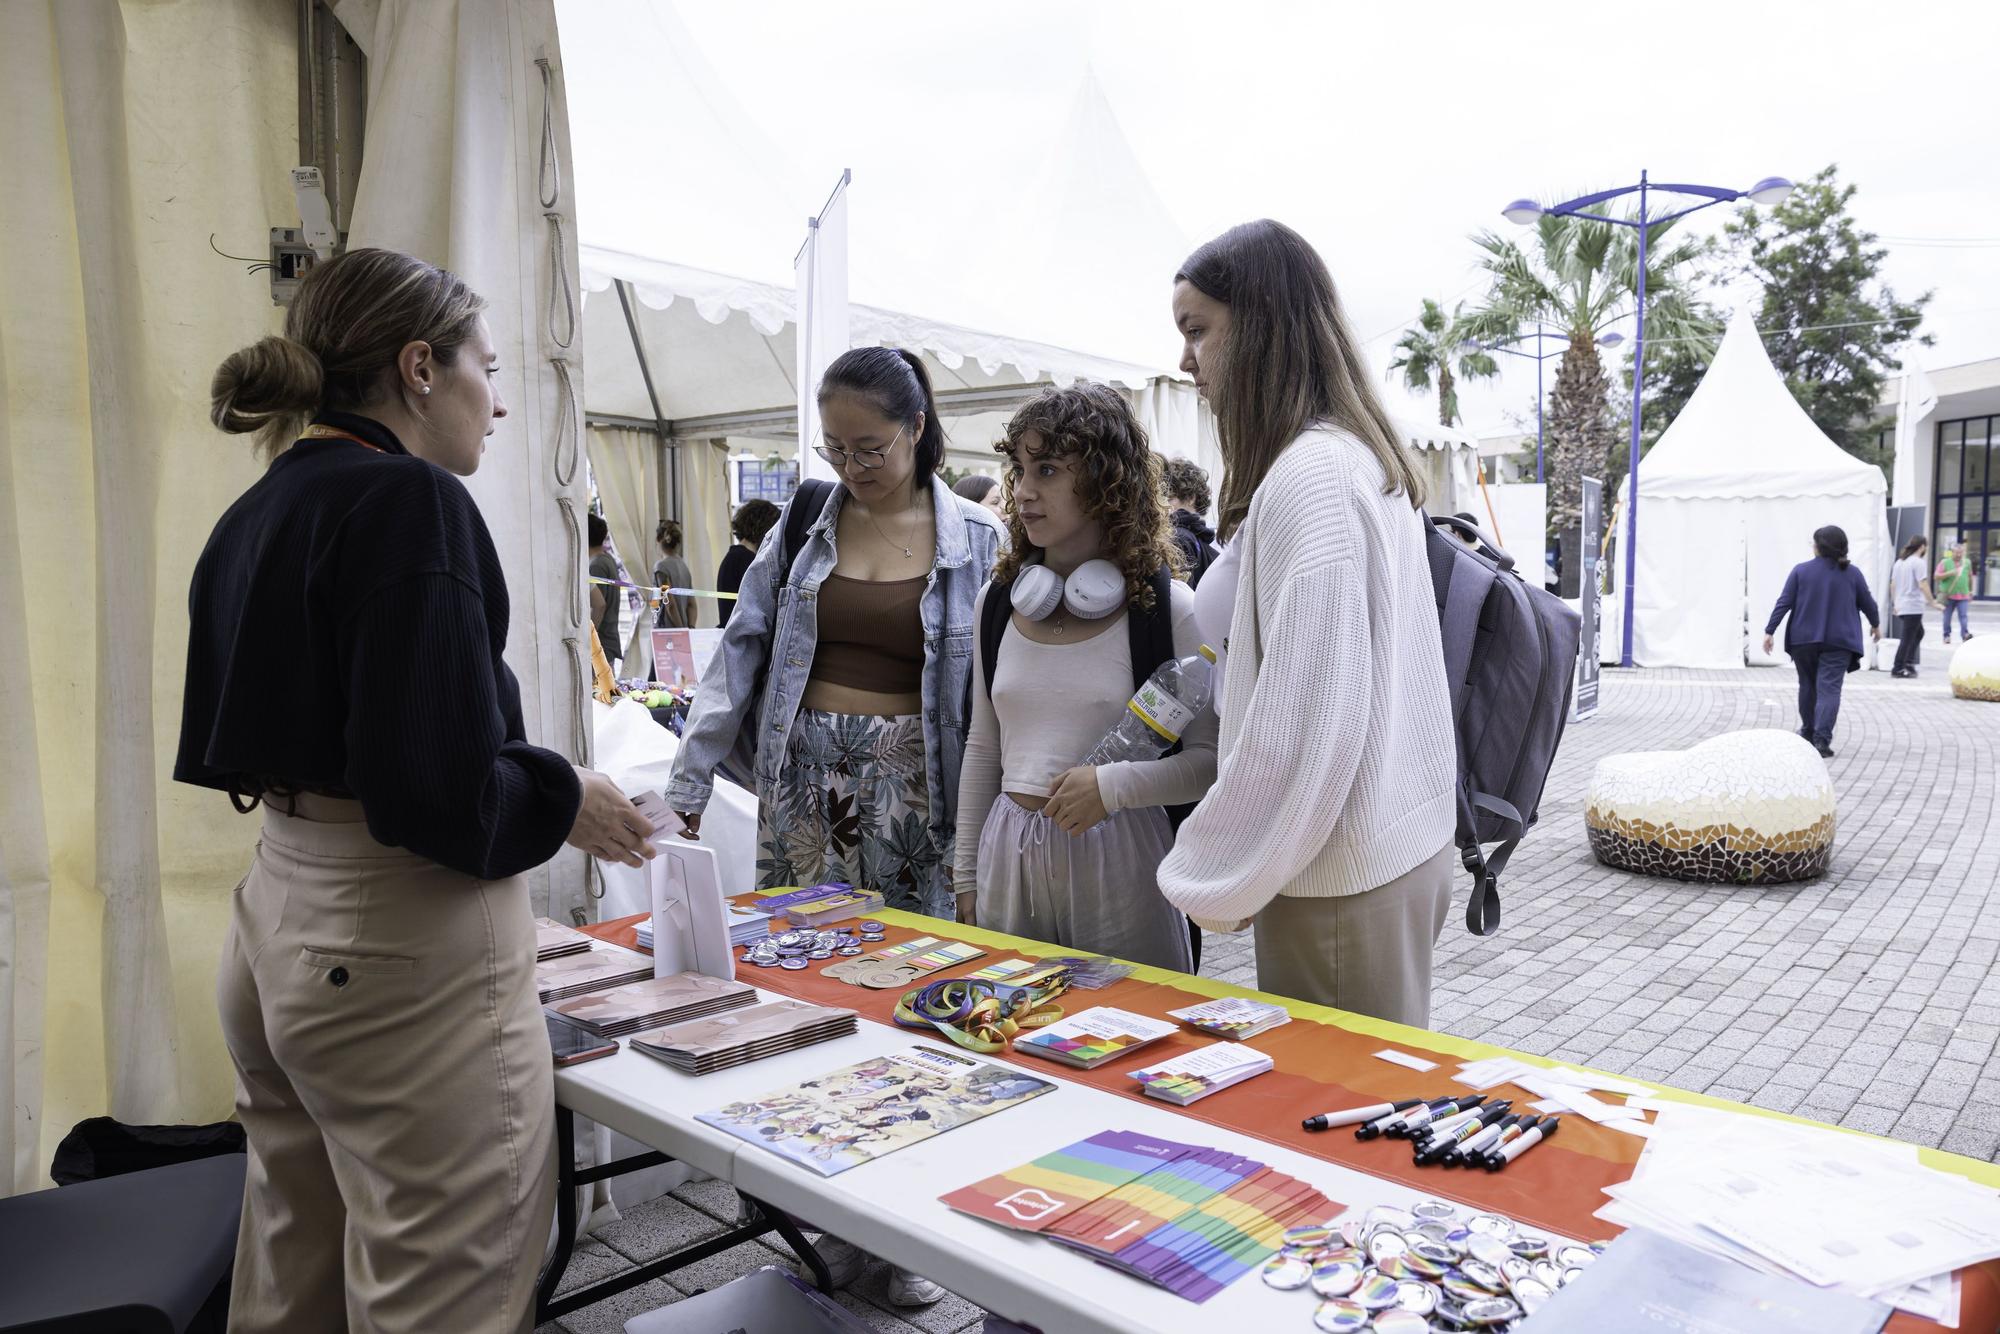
1473,1148
1435,1149
1501,1157
1415,1119
1382,1123
1328,1120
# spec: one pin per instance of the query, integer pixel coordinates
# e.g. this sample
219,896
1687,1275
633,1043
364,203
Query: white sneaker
907,1289
844,1261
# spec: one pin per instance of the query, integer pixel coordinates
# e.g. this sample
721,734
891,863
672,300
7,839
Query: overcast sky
1386,134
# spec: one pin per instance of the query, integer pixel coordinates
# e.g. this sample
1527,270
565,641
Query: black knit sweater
345,629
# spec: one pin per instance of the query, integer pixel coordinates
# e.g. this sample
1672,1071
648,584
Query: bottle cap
1207,652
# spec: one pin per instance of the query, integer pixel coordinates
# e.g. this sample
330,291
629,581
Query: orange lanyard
319,432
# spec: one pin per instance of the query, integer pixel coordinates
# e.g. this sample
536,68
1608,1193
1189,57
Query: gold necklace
908,554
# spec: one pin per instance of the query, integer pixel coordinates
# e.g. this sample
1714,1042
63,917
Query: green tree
1580,275
1830,325
1428,349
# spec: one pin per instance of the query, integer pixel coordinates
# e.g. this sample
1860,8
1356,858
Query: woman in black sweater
344,670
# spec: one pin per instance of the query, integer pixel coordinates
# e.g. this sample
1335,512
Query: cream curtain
705,512
121,158
466,165
625,464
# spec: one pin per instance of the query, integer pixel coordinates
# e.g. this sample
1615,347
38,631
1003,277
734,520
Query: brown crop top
871,635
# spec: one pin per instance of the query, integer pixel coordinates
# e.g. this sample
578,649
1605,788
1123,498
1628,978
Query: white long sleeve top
1047,706
1337,758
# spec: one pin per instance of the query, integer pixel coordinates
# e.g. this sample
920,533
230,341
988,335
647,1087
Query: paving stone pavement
1868,998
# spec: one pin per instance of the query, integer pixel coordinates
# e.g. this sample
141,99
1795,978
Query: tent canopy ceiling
719,345
1742,434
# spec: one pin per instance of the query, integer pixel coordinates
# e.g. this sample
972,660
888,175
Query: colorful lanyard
975,1014
319,432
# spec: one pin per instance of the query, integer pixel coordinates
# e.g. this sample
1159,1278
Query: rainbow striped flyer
1194,1075
1018,972
1094,1036
1036,1195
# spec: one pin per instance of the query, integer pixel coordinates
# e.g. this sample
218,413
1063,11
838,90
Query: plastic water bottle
1160,710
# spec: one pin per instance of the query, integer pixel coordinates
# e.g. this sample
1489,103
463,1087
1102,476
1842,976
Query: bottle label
1161,711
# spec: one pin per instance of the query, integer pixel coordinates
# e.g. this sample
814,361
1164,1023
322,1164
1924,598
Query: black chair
140,1253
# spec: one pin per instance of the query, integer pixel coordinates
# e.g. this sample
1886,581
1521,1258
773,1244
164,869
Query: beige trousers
1368,952
393,1075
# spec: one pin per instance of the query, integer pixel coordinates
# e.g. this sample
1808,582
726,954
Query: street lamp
1770,190
1538,357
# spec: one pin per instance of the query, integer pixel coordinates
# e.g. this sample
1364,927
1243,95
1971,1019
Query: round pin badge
1570,1276
1287,1272
869,925
872,937
1377,1291
1340,1315
793,962
1492,1311
1396,1266
849,950
1486,1275
765,961
1514,1269
1308,1236
1400,1320
1531,1294
1493,1225
1385,1215
1529,1248
1488,1249
1548,1275
1338,1278
820,953
1422,1261
1417,1296
1432,1211
1576,1257
1385,1244
1460,1288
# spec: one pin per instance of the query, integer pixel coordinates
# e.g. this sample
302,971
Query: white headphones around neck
1094,591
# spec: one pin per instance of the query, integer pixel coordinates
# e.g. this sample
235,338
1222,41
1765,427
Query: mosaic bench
1745,808
1975,669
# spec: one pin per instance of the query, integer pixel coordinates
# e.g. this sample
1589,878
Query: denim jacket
750,693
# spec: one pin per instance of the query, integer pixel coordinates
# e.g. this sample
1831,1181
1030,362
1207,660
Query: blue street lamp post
1525,211
1538,357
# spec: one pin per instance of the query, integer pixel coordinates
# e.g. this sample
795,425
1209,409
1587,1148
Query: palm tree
1579,276
1430,347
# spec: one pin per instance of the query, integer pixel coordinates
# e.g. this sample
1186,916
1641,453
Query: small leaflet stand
690,921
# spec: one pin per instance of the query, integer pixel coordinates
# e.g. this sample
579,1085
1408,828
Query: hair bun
272,379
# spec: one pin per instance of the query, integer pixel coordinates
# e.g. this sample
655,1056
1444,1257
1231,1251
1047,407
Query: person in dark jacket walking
1824,597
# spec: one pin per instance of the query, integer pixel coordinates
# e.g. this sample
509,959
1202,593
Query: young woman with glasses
840,687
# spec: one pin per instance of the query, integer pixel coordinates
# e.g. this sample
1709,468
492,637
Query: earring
424,390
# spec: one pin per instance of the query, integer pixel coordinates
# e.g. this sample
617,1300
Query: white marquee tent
1728,501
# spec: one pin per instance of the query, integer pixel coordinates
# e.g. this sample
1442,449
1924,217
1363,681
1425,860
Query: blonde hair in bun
350,320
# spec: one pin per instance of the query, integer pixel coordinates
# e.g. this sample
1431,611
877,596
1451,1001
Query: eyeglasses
861,458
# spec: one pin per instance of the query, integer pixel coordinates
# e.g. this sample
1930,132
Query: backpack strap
807,503
992,629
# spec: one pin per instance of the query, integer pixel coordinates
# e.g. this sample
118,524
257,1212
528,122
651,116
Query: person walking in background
604,597
752,520
670,571
1186,485
1332,816
1909,594
1954,585
1825,599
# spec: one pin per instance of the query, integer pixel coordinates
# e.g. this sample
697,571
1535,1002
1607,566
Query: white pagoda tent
1728,502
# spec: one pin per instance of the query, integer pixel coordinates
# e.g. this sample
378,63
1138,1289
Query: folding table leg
789,1230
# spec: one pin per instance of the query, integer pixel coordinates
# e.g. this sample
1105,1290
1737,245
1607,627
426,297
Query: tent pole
670,475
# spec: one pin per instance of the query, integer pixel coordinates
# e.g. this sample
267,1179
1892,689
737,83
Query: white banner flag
820,275
1916,403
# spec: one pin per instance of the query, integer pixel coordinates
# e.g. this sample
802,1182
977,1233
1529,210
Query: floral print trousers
853,805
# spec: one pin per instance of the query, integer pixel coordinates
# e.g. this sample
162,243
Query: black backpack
1150,635
1510,655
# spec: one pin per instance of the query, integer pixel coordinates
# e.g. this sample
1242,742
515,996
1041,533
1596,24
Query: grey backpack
1510,655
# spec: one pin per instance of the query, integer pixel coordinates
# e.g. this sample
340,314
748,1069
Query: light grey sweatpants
1368,952
1095,892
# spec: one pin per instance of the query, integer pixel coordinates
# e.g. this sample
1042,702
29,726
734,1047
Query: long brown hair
1289,362
351,318
1117,479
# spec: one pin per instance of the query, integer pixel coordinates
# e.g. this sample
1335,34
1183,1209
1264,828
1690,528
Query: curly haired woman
1046,848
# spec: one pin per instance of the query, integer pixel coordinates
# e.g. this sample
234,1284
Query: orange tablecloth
1324,1061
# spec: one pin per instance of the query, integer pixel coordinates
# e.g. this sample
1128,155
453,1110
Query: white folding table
890,1206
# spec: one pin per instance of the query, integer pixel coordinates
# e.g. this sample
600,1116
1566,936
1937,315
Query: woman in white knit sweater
1336,719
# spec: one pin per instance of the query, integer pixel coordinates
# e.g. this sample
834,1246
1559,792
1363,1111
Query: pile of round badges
797,949
1426,1270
